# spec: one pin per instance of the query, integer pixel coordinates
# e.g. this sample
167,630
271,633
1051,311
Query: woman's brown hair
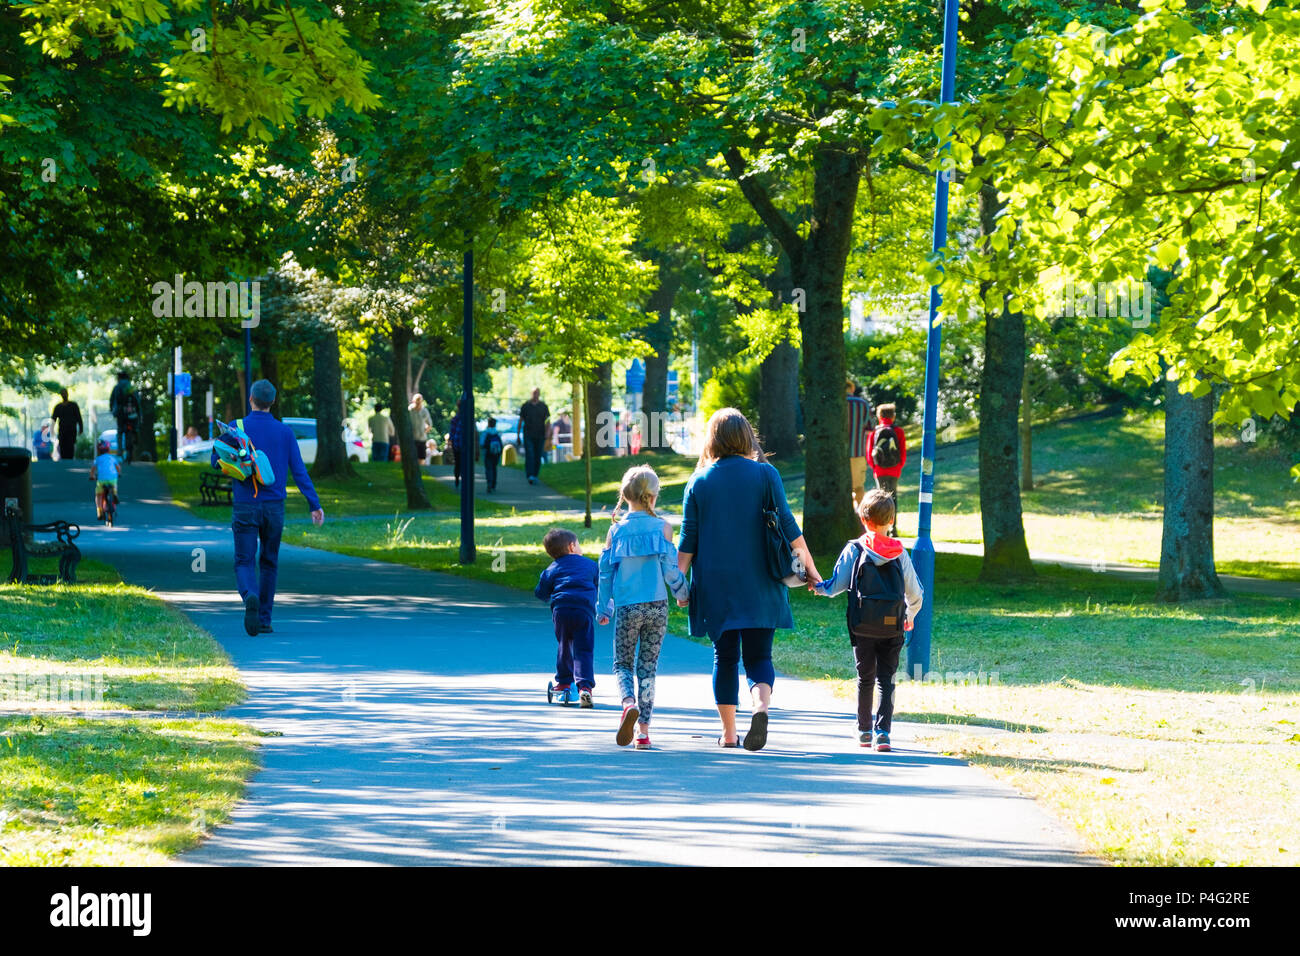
729,433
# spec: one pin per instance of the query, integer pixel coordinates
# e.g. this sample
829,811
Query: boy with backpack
884,598
492,448
887,453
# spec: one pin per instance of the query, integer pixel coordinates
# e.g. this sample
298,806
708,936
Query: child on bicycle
104,472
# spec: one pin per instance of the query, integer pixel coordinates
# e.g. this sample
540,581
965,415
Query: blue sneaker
882,742
864,738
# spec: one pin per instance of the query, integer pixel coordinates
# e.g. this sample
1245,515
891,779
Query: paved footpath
414,730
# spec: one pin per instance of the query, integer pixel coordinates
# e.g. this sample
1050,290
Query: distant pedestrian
562,437
859,433
257,516
884,598
887,451
191,436
637,569
534,423
382,434
569,583
492,448
734,598
124,406
67,416
421,424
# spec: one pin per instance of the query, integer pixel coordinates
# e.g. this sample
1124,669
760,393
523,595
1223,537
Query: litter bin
15,486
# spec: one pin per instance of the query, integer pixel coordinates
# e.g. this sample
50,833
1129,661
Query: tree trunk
778,401
817,267
659,334
268,366
579,422
587,450
1187,545
146,443
327,380
1006,554
600,395
412,476
1026,437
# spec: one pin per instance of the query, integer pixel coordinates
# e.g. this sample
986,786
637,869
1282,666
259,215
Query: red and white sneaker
627,725
643,742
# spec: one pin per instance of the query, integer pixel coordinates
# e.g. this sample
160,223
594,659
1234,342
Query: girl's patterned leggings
638,637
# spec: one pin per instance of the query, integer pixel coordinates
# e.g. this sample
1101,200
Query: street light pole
918,647
468,430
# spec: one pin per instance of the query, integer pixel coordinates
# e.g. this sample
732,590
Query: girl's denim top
637,564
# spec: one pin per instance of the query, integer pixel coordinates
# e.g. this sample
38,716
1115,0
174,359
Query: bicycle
106,502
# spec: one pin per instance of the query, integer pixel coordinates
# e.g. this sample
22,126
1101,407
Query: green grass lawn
138,651
378,489
79,787
1166,735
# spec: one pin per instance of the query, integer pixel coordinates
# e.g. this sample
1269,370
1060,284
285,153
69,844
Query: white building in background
902,314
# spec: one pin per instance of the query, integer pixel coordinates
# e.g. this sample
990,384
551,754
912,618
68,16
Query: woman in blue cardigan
733,597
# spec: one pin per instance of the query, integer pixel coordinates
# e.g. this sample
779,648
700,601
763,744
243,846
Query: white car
304,430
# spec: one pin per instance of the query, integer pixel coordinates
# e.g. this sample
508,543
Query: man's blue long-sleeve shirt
276,440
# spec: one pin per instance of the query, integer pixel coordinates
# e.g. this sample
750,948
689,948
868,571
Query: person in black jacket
67,415
570,584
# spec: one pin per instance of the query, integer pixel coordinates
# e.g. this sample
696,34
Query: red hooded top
902,450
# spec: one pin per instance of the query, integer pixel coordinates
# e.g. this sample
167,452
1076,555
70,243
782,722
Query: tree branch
758,198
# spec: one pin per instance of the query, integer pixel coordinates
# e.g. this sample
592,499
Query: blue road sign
636,377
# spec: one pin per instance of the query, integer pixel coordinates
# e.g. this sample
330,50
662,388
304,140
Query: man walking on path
382,434
859,431
887,449
67,415
534,422
258,512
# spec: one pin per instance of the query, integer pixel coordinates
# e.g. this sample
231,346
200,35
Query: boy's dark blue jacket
570,581
276,439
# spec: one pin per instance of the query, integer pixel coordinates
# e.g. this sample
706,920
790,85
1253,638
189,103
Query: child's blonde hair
640,486
877,506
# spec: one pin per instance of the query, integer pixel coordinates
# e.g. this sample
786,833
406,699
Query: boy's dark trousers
877,660
490,463
575,630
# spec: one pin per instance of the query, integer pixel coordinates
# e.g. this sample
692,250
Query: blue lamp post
918,648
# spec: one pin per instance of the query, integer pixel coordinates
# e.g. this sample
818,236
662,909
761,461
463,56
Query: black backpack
130,407
877,604
884,449
494,444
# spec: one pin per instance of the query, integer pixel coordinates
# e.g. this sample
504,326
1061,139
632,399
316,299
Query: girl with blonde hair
637,569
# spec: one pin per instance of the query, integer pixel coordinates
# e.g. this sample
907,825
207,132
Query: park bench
23,549
213,487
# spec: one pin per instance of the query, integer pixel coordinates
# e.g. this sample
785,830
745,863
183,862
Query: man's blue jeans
259,522
533,456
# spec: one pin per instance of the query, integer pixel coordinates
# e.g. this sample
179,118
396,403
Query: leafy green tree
565,97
